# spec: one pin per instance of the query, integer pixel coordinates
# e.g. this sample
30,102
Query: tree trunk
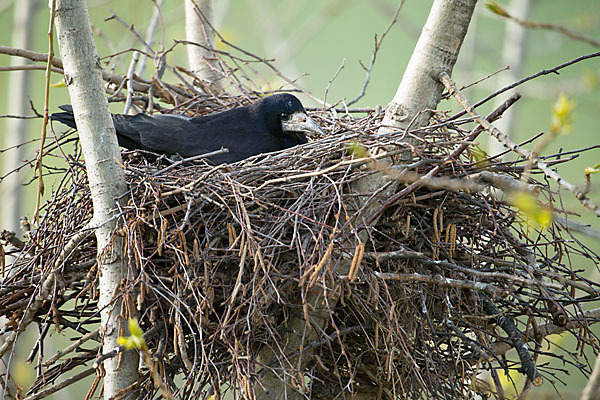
592,388
418,93
106,177
199,29
437,49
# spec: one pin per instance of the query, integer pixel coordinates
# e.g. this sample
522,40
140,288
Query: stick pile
220,258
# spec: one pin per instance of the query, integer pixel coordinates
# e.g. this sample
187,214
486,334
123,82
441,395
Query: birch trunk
592,388
106,178
199,24
419,92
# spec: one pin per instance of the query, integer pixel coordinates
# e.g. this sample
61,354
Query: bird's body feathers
244,131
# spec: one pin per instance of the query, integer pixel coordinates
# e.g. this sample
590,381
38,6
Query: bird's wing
190,136
159,133
243,133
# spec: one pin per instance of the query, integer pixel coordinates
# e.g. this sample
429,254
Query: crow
273,123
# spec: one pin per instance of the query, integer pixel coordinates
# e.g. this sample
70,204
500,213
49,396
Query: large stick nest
221,262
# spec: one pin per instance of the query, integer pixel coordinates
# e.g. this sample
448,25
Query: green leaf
496,9
357,149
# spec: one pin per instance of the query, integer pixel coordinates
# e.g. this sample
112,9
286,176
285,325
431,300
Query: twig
55,388
502,138
443,281
587,318
341,67
550,27
505,182
139,84
156,16
190,159
29,68
374,55
128,102
584,229
130,28
88,336
355,161
38,162
526,79
496,113
11,237
108,355
507,323
479,80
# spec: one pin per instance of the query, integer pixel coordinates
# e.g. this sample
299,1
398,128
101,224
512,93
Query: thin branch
190,159
443,281
55,388
374,55
587,318
547,26
502,138
139,84
526,79
495,114
38,162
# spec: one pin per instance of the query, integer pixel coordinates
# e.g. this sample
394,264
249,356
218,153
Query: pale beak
300,122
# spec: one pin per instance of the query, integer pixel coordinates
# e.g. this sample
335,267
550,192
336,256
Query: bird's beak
300,122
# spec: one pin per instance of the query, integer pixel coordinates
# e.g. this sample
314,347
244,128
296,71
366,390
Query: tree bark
592,388
199,29
418,94
437,49
106,178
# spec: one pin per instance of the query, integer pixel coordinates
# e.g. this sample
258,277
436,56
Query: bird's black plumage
274,123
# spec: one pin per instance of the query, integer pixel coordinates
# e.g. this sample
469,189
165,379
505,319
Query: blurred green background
309,40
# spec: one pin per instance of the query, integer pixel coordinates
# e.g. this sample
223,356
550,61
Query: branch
542,331
505,140
526,79
11,238
544,25
55,388
138,84
443,281
93,335
507,323
592,388
505,183
495,114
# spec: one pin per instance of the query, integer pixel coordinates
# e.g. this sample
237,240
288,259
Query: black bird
274,123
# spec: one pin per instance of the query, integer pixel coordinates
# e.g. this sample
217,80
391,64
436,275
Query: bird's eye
284,116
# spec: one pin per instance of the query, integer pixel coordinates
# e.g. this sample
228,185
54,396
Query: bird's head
286,116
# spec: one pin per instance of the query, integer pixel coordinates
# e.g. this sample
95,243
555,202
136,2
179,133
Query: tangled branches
220,259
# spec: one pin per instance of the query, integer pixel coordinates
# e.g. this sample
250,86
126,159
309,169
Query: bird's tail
127,134
65,117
